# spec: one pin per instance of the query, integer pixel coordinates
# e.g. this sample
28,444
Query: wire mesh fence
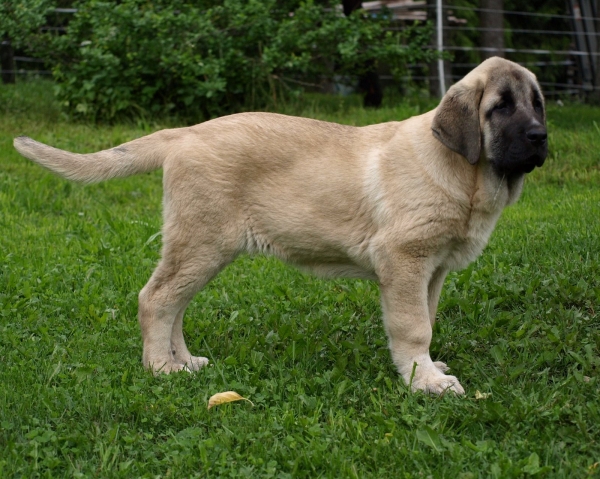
561,48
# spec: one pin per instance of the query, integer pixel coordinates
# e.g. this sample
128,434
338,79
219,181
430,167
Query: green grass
521,324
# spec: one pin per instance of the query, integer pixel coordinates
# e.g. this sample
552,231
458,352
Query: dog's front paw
429,377
441,385
437,383
441,366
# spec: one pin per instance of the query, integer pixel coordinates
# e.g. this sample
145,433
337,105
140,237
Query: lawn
520,328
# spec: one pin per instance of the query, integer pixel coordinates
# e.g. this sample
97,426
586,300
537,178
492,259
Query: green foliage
205,59
21,19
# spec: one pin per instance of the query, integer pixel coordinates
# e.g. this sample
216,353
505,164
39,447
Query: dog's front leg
404,297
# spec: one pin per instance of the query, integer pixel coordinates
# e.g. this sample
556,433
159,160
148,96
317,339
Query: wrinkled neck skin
488,190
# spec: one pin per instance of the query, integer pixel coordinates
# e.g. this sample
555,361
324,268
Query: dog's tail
137,156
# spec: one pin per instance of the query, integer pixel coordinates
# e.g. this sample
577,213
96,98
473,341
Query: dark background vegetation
199,59
203,59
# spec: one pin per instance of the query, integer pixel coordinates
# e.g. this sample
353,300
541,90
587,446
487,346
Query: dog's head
496,113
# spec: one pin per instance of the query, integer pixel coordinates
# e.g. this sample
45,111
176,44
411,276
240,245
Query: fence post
439,70
7,60
492,24
584,27
440,45
368,82
595,42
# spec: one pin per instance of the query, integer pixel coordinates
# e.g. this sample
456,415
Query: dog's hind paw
195,363
167,368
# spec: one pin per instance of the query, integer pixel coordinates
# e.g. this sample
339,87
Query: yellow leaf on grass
227,396
480,395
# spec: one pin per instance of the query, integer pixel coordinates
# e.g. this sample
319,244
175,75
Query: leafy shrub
20,18
209,58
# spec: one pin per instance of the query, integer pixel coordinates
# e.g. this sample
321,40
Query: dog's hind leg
181,273
181,354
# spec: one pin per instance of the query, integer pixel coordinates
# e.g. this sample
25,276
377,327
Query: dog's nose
537,135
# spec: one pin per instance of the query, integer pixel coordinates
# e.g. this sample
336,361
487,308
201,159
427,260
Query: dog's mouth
538,159
519,166
530,163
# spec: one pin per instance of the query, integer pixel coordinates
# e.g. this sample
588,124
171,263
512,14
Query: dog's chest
488,201
465,248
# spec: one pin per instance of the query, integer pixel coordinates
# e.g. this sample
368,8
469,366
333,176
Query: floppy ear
456,122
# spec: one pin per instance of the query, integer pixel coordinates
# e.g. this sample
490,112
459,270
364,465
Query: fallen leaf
480,395
227,396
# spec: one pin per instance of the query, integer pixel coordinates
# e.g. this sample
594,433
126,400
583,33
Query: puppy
401,203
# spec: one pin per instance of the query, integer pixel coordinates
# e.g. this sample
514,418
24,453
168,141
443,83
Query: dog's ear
456,121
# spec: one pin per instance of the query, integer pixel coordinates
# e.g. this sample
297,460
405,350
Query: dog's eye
503,105
537,105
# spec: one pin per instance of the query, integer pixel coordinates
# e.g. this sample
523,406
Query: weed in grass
521,326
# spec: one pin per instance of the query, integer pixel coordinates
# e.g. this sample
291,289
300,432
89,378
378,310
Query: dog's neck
486,190
495,191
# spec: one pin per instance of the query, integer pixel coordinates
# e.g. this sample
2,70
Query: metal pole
440,48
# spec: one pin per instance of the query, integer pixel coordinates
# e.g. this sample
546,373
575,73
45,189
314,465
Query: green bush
209,58
21,19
